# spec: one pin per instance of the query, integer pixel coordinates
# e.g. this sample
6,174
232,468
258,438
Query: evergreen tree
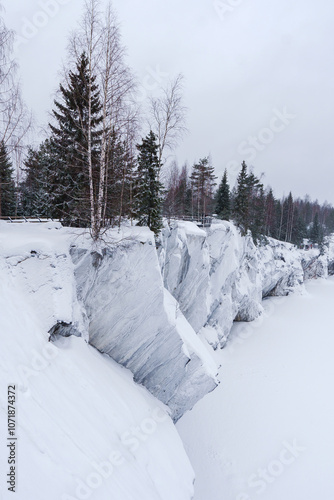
203,182
223,201
316,232
270,217
36,189
148,198
289,217
258,213
183,193
120,174
299,230
75,142
241,201
249,204
7,184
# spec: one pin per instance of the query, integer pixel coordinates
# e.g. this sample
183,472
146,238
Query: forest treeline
250,205
93,169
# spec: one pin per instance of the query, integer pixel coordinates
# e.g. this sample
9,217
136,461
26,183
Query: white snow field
84,429
267,432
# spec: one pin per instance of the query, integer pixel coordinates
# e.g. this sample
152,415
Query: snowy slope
84,428
267,430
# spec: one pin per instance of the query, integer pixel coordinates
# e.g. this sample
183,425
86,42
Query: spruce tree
203,182
37,190
299,230
7,184
316,232
270,217
148,198
223,201
241,201
78,116
258,213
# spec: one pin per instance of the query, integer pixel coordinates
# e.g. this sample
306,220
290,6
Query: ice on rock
133,321
186,270
213,275
219,277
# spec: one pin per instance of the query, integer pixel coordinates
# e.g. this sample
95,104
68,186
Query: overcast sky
259,77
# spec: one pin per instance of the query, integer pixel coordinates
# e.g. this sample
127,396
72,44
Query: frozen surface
267,430
84,428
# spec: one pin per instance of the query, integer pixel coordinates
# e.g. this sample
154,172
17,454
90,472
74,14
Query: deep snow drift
84,428
267,430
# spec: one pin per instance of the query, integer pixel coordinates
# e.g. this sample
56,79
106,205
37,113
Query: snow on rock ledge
133,320
37,257
219,277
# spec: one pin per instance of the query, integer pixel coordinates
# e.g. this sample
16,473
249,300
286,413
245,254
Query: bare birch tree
15,120
99,37
168,116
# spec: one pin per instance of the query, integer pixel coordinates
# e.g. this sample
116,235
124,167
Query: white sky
240,64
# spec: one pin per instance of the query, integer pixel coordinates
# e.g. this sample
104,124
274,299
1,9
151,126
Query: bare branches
15,120
168,116
98,37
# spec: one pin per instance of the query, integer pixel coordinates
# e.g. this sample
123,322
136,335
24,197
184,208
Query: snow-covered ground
84,429
267,431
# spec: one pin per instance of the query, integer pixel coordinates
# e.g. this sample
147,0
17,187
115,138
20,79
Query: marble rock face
134,320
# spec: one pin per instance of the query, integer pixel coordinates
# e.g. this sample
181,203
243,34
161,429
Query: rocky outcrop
135,321
280,268
219,277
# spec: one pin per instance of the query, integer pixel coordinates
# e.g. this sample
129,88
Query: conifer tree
257,223
316,232
223,203
241,202
148,198
299,230
203,182
37,189
7,184
75,141
270,217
